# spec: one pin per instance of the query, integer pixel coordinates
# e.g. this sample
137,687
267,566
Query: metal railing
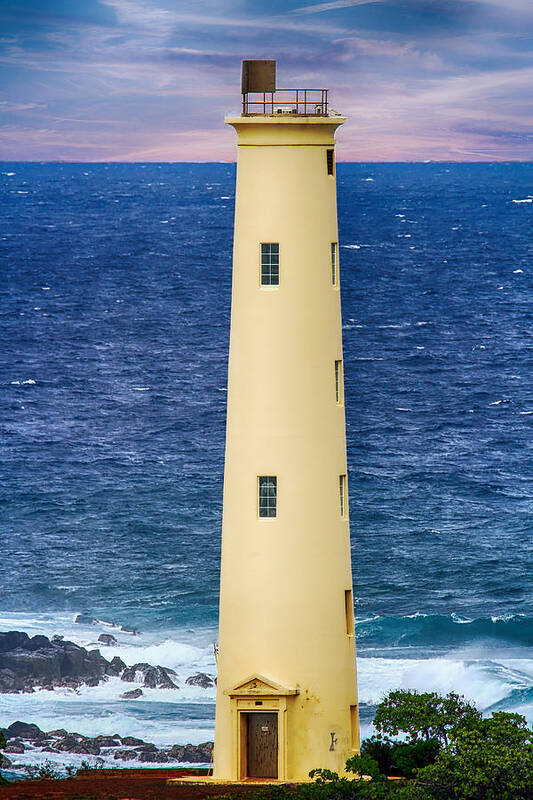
304,102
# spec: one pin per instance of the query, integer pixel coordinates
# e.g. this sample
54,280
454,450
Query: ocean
115,303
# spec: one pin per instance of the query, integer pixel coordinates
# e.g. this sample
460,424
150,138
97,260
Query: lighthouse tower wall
286,639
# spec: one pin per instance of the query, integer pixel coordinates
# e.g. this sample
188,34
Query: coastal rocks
131,741
200,679
192,754
27,664
152,677
132,695
5,763
38,661
24,730
86,619
15,746
107,639
125,755
23,737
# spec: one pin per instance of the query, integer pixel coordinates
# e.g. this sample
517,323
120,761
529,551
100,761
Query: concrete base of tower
211,780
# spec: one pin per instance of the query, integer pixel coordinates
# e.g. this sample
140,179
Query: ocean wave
491,685
444,631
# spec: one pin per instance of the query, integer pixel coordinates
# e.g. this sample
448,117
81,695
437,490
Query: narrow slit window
330,162
342,494
334,271
270,264
338,382
267,486
354,723
348,608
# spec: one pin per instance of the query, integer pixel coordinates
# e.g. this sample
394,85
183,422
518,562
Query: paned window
342,494
267,486
270,264
330,162
338,382
334,275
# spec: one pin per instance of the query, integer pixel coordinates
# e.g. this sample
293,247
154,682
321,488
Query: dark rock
107,639
107,741
15,746
74,743
200,679
57,638
9,682
153,755
129,674
116,666
153,677
86,748
192,753
125,755
24,730
131,741
57,733
66,744
38,662
132,695
158,678
85,619
129,630
5,763
13,639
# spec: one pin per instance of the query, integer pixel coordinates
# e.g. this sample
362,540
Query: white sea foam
369,180
526,413
29,382
168,716
352,246
527,200
483,682
141,388
9,174
518,271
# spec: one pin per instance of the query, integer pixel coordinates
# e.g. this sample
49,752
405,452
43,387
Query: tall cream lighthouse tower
287,693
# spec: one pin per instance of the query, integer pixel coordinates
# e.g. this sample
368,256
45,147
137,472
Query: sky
151,80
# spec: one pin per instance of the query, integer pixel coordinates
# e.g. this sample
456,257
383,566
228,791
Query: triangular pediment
257,685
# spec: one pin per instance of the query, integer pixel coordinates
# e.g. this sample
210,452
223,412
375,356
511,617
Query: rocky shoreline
37,663
27,664
23,737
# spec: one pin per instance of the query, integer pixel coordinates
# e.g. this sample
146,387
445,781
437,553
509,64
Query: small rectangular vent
348,608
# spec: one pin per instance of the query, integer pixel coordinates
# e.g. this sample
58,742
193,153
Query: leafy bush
399,758
45,770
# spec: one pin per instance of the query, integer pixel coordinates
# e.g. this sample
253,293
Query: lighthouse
287,686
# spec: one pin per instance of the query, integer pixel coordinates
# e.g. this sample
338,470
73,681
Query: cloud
334,5
153,78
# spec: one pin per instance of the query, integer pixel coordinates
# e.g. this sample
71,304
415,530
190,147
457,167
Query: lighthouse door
262,745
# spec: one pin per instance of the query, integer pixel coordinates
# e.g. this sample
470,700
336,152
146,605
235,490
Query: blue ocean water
115,305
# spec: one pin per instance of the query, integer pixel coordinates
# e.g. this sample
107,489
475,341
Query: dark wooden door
262,745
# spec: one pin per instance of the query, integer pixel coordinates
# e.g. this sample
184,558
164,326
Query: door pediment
257,685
